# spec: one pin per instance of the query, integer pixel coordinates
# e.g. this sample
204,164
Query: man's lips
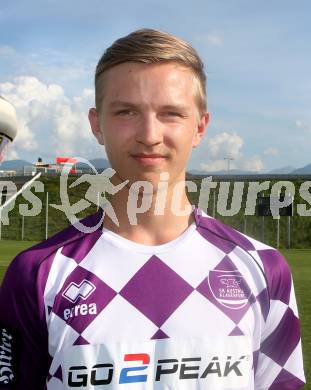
152,158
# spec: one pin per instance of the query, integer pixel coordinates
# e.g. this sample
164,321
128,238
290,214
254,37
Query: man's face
148,120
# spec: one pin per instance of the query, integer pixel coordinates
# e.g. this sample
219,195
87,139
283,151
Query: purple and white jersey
212,309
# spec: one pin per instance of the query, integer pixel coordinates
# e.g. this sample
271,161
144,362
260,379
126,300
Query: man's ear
200,130
95,125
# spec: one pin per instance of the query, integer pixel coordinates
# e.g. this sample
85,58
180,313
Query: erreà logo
75,291
229,288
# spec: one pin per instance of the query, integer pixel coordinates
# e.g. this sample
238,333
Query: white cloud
303,125
225,145
50,122
216,165
212,38
271,151
11,153
7,51
215,39
229,145
253,164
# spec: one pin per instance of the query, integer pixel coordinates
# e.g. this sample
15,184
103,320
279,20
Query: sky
256,54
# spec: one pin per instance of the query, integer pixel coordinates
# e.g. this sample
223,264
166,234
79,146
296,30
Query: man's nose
150,130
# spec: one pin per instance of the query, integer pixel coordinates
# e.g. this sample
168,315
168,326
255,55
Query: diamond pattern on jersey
60,333
62,267
276,313
223,237
159,335
247,323
81,341
293,363
271,374
203,260
227,289
156,290
119,321
91,295
250,270
59,373
264,301
267,371
276,268
286,336
292,301
255,360
286,378
236,332
218,241
187,322
78,252
256,244
170,295
55,384
113,265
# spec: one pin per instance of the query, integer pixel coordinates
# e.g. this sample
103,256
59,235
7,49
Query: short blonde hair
150,46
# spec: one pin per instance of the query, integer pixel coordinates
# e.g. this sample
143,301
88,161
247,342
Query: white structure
7,173
8,125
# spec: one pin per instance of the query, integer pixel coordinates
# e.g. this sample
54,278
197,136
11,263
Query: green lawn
299,260
8,250
300,263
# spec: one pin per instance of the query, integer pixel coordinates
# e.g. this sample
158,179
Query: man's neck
162,222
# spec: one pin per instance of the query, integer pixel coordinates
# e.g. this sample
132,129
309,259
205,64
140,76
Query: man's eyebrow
170,107
118,103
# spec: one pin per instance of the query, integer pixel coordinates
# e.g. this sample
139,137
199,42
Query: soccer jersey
212,309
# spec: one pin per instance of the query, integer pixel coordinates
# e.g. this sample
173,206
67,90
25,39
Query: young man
174,301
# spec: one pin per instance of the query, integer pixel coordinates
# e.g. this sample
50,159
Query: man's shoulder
269,259
34,256
228,237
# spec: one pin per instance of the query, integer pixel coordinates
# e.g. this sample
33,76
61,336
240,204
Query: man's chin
148,183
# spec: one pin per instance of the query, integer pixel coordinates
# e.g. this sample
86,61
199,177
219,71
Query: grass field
299,260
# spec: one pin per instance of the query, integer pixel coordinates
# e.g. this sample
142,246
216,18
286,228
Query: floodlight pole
278,231
288,232
23,227
47,215
245,225
214,203
278,227
263,228
289,223
228,162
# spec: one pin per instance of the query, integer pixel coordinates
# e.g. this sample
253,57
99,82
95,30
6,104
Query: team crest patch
229,288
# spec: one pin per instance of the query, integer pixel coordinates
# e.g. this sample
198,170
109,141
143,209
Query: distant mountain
98,163
223,172
14,165
18,165
282,170
102,163
306,170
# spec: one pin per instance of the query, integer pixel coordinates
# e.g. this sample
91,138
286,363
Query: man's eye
125,112
173,114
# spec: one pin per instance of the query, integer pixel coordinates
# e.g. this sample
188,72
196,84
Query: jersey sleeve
279,363
23,344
